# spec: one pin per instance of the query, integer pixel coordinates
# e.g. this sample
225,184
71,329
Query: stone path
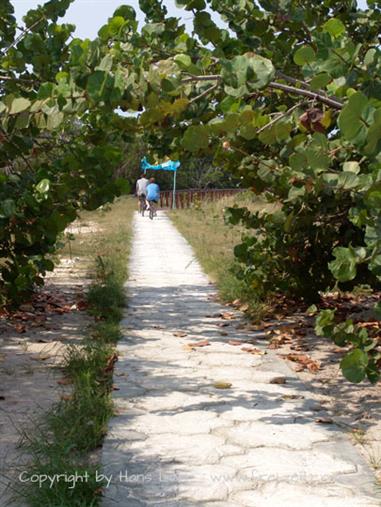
179,440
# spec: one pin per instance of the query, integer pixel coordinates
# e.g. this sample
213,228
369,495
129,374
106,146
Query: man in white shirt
141,190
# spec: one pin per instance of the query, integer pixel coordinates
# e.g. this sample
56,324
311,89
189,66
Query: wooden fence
185,198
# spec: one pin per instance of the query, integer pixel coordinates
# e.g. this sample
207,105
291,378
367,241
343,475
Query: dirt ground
32,345
353,407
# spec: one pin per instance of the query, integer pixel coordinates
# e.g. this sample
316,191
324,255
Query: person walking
141,191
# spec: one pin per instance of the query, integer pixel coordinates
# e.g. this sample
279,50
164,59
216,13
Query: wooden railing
185,198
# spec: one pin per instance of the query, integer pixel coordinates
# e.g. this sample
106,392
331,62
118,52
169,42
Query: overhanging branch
334,103
306,93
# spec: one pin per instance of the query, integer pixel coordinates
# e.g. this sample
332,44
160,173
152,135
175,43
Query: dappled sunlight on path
201,422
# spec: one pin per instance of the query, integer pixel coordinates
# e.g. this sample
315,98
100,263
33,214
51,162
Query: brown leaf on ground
20,328
278,380
305,362
228,316
324,420
223,324
280,340
253,350
66,397
222,385
82,305
64,381
223,333
180,334
110,363
202,343
235,342
292,397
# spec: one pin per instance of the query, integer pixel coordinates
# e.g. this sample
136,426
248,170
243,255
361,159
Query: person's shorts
153,200
142,196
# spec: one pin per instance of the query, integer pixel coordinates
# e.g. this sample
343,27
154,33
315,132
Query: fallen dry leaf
305,362
222,385
292,397
202,343
235,342
64,381
20,328
278,380
110,363
324,420
180,334
66,397
253,350
228,316
223,333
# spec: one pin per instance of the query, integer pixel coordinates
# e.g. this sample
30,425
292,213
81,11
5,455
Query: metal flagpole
174,190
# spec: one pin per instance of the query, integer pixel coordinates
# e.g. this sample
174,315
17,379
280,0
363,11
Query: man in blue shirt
152,193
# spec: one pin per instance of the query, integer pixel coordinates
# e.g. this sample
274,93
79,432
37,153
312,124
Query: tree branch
195,79
279,117
277,86
204,93
22,35
306,93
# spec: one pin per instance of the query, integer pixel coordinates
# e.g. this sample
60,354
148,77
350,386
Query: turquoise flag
170,165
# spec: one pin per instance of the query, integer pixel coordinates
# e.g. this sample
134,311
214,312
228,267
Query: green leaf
348,180
352,167
304,55
295,193
324,323
43,186
115,24
19,105
106,63
54,120
354,365
7,208
353,118
99,85
334,27
183,61
374,134
196,138
244,72
320,81
126,12
343,267
377,310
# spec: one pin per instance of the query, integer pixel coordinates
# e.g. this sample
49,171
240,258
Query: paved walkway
181,438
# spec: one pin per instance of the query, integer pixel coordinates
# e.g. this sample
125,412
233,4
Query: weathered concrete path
179,440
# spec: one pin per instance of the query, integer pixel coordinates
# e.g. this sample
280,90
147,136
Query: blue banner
170,165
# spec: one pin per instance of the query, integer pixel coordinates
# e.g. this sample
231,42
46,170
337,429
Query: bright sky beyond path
90,15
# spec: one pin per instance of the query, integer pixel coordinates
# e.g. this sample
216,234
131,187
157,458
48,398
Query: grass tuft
60,442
